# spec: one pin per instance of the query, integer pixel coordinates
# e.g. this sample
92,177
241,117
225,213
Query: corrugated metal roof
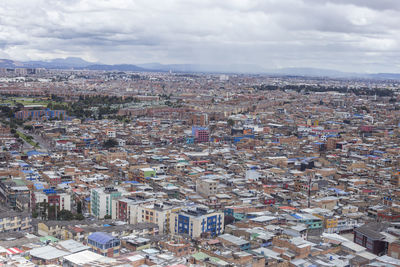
100,237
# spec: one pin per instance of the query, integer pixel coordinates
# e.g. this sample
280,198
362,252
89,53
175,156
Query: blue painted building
40,114
196,221
104,244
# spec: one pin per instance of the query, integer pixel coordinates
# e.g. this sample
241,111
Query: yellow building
329,222
158,213
56,229
11,221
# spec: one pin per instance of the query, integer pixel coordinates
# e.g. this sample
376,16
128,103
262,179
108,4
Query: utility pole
55,205
254,145
309,190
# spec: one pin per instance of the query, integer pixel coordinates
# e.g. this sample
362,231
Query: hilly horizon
77,63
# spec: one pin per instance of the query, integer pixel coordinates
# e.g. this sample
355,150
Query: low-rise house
370,236
12,221
104,244
47,255
236,242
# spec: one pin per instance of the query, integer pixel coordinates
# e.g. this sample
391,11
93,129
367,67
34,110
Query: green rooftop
50,238
19,182
201,256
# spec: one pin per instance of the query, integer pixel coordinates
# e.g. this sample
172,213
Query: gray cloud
350,35
372,4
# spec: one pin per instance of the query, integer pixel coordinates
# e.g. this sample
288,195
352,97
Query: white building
125,209
252,175
62,199
101,201
111,133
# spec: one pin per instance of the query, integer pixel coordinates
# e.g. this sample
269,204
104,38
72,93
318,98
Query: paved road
37,138
25,145
44,144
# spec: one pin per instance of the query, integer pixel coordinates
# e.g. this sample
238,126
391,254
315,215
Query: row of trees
107,100
45,211
82,107
323,88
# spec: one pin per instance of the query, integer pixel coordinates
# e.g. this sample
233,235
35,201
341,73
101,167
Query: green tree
79,207
79,217
7,111
51,212
65,215
230,122
45,207
110,143
28,127
35,214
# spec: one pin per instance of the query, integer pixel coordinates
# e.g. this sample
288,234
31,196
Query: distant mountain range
67,63
77,63
231,68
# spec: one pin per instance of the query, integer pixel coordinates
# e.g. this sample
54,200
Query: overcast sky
348,35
